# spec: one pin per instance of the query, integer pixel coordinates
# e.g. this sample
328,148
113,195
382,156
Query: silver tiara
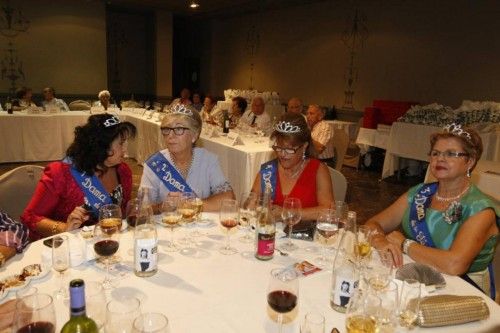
286,127
111,121
456,129
181,109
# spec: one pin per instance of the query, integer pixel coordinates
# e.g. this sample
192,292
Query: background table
203,291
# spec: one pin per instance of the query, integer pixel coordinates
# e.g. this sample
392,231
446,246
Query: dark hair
93,140
21,92
52,90
241,102
301,137
473,146
211,98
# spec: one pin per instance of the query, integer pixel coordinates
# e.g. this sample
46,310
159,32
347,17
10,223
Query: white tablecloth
412,141
272,110
368,137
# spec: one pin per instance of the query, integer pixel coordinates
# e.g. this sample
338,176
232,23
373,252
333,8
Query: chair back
339,183
79,105
17,187
340,144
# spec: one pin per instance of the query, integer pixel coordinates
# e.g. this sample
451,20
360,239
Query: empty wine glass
291,214
35,313
228,219
409,303
387,315
60,262
95,302
341,209
171,218
120,314
248,215
283,292
106,243
326,228
313,323
151,323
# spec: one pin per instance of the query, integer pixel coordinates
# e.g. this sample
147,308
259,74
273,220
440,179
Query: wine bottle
266,230
8,105
225,125
345,276
145,243
79,322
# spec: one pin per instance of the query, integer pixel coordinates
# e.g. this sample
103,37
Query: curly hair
301,137
93,141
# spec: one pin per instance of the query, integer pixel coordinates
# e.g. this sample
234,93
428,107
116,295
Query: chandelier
12,21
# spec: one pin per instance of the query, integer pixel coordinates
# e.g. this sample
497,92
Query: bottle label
343,290
146,255
265,244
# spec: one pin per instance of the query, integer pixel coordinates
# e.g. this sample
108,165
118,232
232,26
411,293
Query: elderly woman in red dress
93,174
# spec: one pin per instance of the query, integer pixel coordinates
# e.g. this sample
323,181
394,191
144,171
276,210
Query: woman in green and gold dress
450,224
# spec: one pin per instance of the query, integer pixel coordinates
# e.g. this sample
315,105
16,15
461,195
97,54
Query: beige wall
427,51
65,46
164,35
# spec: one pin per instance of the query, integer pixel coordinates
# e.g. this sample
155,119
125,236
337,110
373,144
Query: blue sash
418,225
268,172
95,195
167,173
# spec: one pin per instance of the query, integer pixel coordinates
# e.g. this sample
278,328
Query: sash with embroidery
268,173
167,173
418,225
94,193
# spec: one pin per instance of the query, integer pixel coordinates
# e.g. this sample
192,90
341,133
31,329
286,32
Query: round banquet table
201,290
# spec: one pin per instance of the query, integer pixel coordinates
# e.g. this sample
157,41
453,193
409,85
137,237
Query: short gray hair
103,93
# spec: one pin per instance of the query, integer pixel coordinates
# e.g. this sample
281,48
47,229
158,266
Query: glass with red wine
229,220
107,238
283,292
138,213
35,314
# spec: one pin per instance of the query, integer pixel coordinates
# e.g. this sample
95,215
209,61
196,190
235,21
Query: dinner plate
37,271
13,283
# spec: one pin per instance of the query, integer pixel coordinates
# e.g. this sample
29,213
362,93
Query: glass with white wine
363,247
170,218
186,207
409,304
362,312
327,227
378,270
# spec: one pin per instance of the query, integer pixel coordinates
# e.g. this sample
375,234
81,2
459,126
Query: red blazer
57,194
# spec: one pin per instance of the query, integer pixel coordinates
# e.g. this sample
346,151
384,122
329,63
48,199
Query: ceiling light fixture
194,4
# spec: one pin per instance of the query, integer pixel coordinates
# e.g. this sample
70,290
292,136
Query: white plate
44,270
18,286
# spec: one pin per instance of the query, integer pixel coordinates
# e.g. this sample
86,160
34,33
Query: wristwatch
405,246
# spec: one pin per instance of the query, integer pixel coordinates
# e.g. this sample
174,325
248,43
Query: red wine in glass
229,223
38,327
106,247
282,301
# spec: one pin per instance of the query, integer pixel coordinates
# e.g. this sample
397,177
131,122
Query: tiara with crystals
114,120
286,127
181,109
456,129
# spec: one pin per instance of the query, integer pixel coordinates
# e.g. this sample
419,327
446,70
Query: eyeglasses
177,130
288,151
447,154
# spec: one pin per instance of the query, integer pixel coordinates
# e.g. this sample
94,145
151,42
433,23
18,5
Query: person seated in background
295,106
23,99
257,116
50,100
14,237
62,200
184,99
182,167
293,173
238,107
104,100
449,224
209,112
197,102
321,134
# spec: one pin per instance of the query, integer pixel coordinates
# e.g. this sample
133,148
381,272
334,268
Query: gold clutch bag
444,310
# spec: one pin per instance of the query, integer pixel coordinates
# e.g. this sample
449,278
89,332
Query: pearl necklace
449,199
184,171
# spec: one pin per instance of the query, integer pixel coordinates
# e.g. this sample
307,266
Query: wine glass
387,314
137,213
171,218
151,323
313,323
120,314
326,228
377,271
283,292
362,312
409,304
363,247
228,219
186,207
95,302
248,215
106,243
35,313
111,215
291,215
60,261
197,204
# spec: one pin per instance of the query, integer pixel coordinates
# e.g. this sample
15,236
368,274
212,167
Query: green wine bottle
79,322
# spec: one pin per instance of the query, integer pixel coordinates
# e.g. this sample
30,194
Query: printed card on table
305,268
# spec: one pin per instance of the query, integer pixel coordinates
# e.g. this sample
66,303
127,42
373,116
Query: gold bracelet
54,230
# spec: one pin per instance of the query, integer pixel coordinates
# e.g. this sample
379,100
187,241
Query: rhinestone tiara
456,129
181,109
114,120
286,127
